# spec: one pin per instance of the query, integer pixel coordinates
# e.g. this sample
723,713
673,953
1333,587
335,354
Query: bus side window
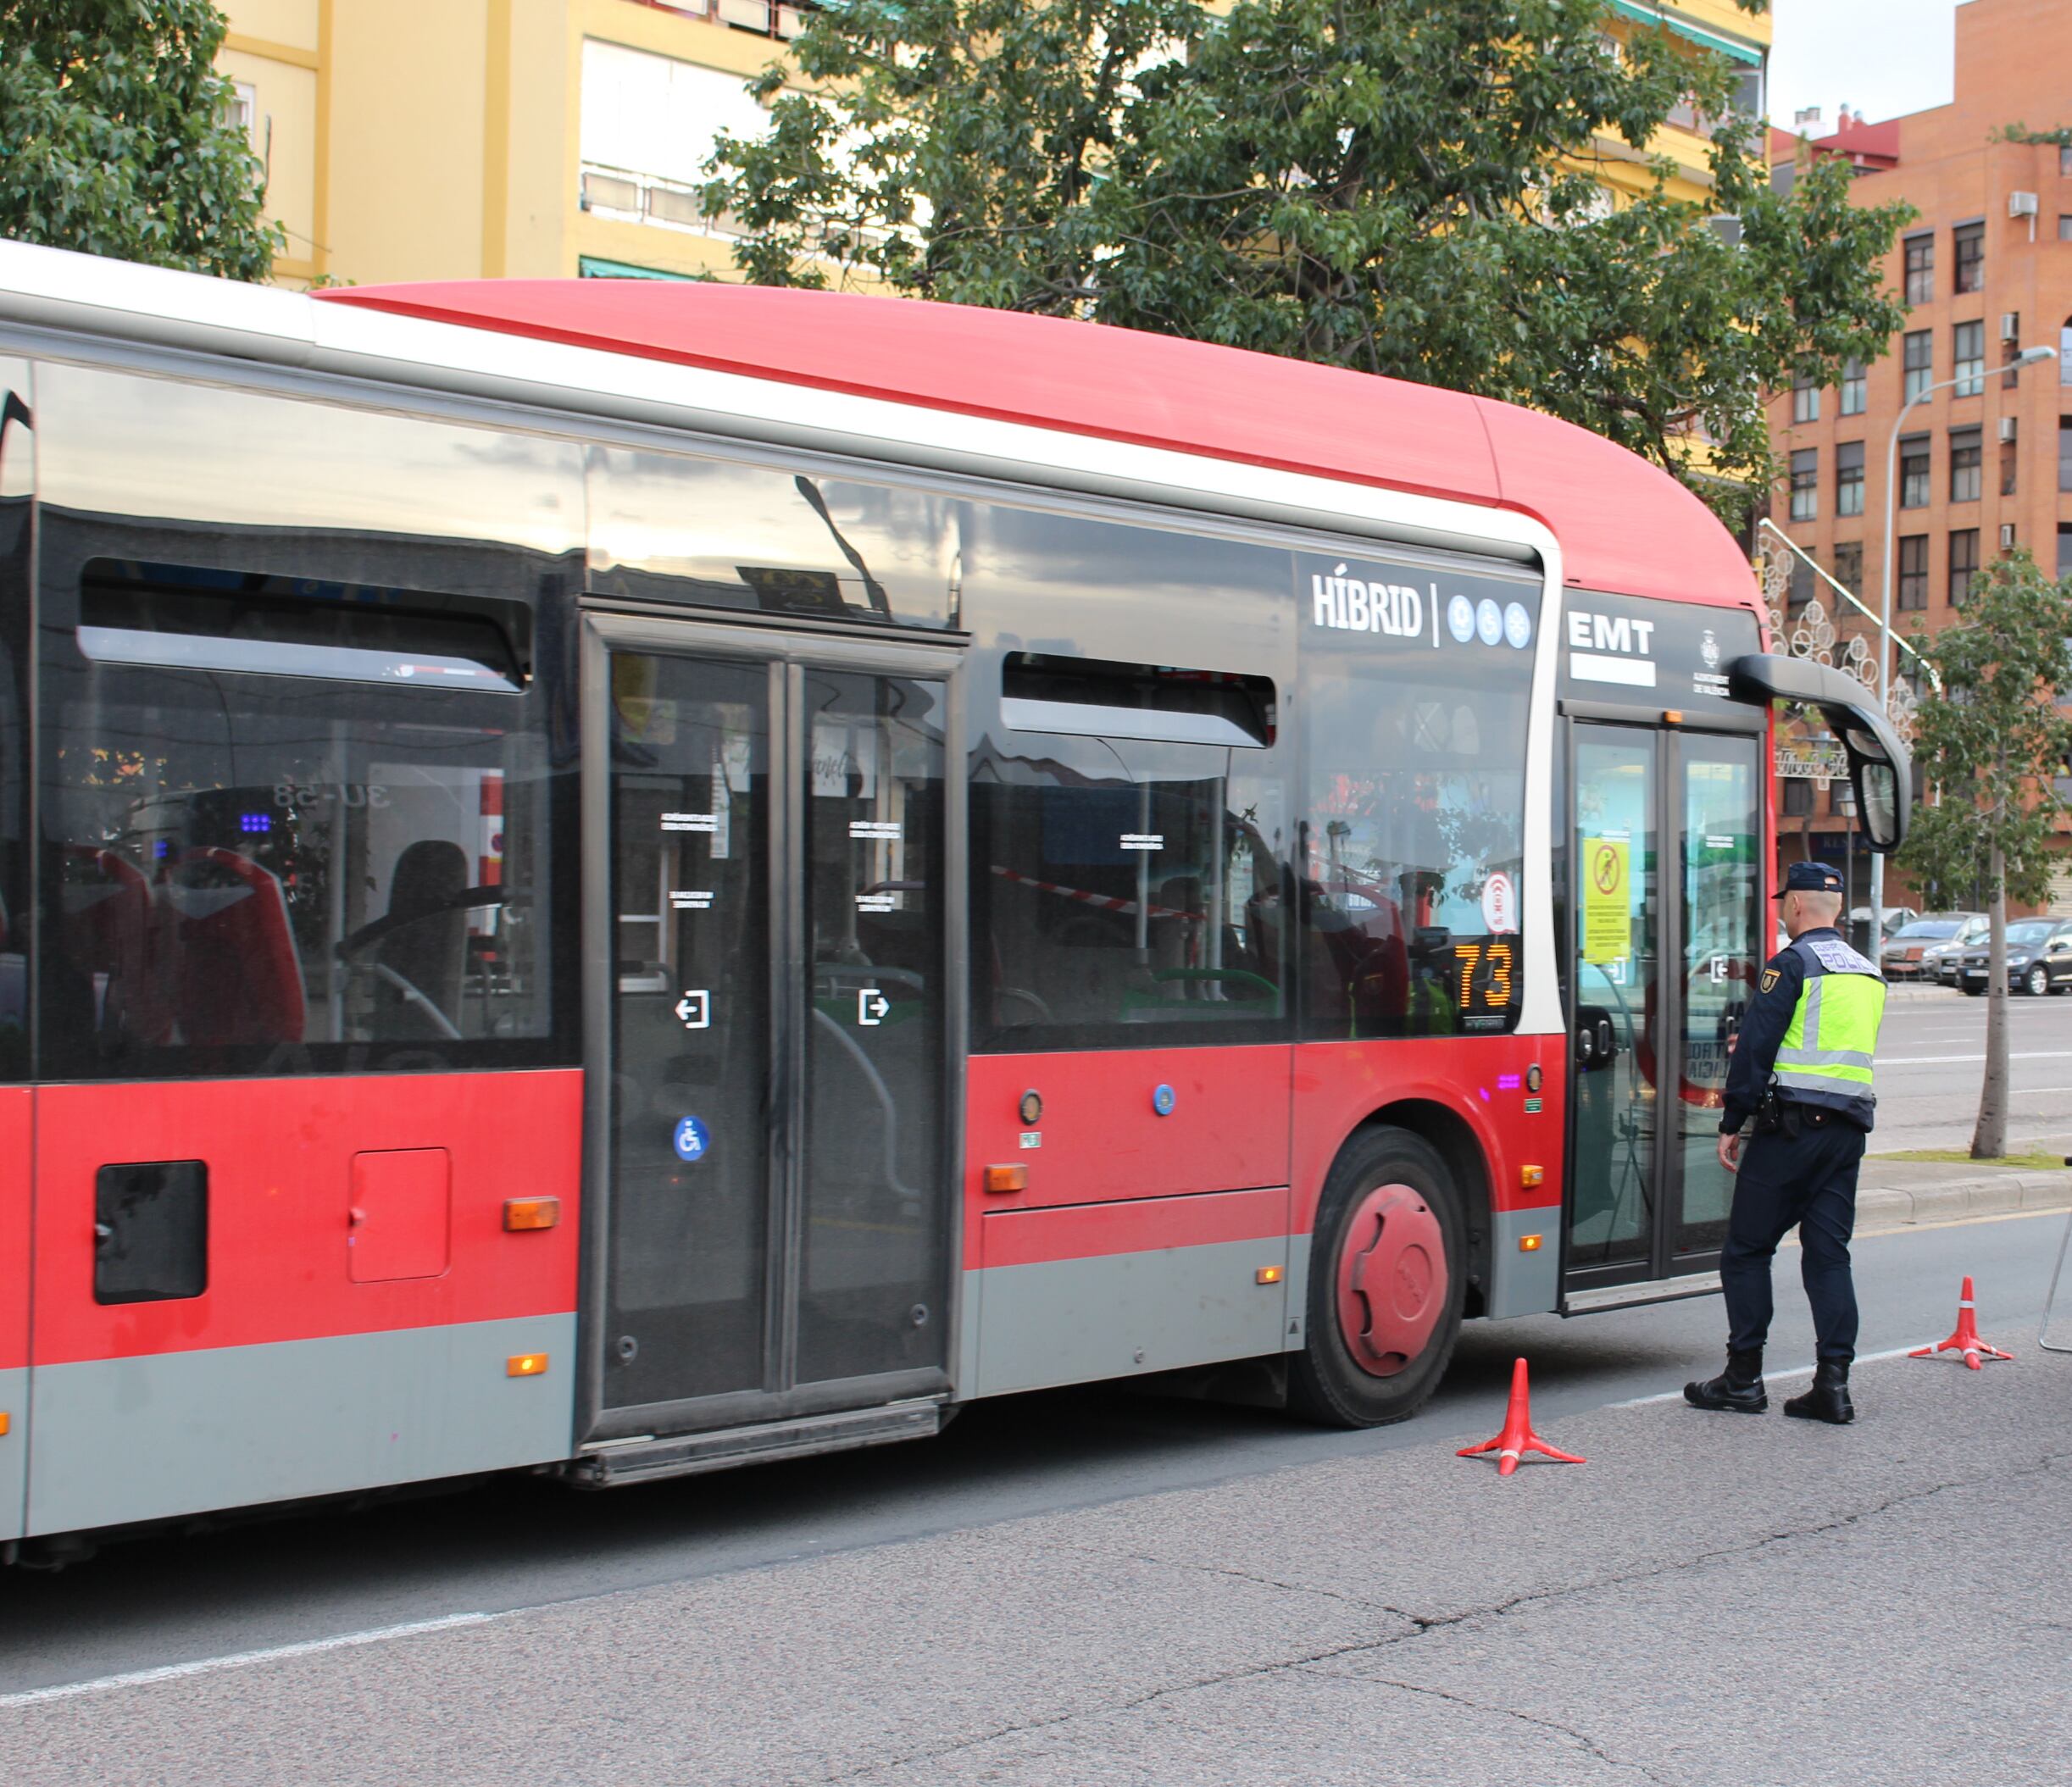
294,825
1411,843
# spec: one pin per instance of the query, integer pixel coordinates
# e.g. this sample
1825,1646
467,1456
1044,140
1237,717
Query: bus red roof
1623,525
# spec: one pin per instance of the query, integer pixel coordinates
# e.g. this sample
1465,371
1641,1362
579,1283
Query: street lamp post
2027,357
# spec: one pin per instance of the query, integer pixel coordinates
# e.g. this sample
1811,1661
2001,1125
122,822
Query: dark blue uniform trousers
1808,1182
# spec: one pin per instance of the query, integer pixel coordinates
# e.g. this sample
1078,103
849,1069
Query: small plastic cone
1518,1437
1966,1340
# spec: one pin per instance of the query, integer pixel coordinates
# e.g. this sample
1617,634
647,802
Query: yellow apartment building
463,139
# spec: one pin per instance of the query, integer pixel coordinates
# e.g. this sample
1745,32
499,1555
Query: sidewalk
1891,1194
1712,1600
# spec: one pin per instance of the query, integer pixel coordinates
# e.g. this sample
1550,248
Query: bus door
774,904
1668,929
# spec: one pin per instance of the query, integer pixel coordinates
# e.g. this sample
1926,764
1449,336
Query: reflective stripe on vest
1833,1034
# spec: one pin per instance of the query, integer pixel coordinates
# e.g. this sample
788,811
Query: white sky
1881,58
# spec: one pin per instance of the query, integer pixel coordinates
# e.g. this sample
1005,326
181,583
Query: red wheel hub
1391,1280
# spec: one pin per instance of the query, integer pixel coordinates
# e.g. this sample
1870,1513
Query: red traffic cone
1966,1340
1518,1437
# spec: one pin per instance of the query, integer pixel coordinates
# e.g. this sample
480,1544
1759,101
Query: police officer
1802,1071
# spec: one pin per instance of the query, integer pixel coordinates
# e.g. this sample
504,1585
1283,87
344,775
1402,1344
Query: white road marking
1769,1377
1937,1061
242,1659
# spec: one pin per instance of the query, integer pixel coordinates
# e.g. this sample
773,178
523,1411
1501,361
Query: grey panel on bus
1073,1321
1524,1283
13,1451
141,1439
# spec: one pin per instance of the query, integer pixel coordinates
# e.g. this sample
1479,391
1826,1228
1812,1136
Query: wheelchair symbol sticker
692,1140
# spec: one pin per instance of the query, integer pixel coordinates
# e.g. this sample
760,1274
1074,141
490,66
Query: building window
1920,268
2064,352
648,126
1805,484
2010,348
2010,458
1913,571
1801,592
1969,241
1966,456
1914,462
2064,160
2064,453
1970,357
2065,227
1963,561
1917,358
1852,388
2064,549
1797,797
1849,566
1849,478
1805,401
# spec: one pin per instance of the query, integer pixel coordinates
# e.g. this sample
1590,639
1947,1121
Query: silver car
1945,961
1906,955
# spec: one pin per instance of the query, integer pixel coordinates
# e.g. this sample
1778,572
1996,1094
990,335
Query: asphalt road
1931,1064
172,1598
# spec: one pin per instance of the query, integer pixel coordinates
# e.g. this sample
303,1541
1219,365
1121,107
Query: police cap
1809,878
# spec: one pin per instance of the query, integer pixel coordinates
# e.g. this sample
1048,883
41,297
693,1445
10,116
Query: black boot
1828,1398
1738,1388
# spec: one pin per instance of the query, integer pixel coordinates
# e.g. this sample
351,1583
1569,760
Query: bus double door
1668,931
773,839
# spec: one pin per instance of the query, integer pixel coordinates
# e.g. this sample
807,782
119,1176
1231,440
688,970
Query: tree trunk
1989,1140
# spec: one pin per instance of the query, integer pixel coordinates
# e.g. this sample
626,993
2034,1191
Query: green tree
1991,751
1406,187
116,136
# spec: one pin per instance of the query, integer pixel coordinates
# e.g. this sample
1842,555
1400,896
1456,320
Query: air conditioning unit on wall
2006,428
2010,325
2007,534
2021,204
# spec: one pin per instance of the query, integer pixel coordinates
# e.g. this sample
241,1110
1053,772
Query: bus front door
1667,934
771,892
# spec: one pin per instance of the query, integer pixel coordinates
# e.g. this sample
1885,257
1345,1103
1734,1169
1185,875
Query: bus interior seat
430,948
108,931
235,975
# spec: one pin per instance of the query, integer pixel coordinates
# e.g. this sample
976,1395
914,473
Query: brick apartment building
1986,270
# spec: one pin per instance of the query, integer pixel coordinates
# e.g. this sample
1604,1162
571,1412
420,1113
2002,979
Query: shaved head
1808,909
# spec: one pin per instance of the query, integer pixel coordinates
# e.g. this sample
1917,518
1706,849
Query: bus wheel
1387,1277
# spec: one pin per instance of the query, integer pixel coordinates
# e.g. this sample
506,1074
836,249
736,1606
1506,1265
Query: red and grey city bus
620,877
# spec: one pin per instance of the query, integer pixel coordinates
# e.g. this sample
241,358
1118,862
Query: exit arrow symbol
871,1006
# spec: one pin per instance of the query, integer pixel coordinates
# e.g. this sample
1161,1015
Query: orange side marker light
1006,1179
6,1421
1267,1275
1530,1176
531,1213
524,1365
1529,1243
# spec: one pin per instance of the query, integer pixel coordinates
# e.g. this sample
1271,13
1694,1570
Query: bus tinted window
1127,810
17,483
1127,892
255,865
1411,843
716,533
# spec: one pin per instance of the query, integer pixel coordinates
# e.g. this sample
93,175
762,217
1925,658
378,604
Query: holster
1777,1116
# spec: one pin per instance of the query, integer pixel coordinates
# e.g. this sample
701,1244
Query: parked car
1946,961
1905,955
2039,958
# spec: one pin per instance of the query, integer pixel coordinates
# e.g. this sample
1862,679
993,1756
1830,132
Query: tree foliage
116,136
1413,188
1992,750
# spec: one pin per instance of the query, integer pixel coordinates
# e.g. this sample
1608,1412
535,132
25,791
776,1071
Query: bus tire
1390,1222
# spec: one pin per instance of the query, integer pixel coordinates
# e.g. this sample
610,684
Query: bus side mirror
1877,802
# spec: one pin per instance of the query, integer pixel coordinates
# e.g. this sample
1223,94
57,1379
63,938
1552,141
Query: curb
2001,1194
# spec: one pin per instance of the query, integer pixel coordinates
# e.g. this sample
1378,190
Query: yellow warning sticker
1608,911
